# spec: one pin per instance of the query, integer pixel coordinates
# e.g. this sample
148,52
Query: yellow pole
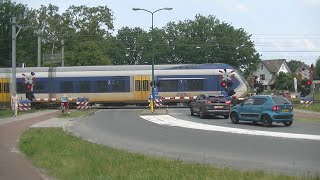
151,106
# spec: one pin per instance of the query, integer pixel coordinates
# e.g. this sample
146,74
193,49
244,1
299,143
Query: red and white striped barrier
179,97
306,103
82,105
73,99
24,106
157,102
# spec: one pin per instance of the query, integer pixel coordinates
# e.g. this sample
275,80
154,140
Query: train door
142,88
4,91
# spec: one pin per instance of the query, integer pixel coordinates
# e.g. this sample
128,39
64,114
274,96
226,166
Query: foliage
129,46
83,29
284,81
207,40
294,65
318,66
26,44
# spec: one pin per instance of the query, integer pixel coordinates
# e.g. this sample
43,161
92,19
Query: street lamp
152,12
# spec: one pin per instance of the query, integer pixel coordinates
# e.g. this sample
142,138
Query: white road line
171,121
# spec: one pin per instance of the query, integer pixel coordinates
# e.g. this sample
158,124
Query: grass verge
307,120
314,107
65,156
5,113
77,113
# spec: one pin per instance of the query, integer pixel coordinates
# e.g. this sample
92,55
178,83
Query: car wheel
234,118
287,123
266,121
226,116
202,114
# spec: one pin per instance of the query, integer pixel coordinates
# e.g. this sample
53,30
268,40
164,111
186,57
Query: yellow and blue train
122,84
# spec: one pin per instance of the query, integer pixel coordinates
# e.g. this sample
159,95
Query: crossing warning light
223,84
309,83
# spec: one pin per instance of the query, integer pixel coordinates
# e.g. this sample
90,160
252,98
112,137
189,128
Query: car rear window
217,99
280,100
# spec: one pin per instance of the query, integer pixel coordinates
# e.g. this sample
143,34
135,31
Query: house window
262,77
261,67
282,67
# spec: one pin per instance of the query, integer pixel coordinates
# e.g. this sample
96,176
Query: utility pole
39,48
13,56
62,53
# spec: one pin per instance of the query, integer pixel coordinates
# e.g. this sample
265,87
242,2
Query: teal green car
266,109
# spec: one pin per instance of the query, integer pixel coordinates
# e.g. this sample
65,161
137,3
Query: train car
126,84
4,91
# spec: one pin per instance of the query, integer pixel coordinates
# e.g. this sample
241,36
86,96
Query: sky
280,29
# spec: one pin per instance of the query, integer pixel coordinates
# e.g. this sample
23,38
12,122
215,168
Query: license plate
285,110
218,107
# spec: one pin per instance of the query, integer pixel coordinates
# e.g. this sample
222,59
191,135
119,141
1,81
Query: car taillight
275,108
228,102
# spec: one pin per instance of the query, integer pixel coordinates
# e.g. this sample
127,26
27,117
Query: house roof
273,65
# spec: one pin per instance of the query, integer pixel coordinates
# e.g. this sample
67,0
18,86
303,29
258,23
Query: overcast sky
287,29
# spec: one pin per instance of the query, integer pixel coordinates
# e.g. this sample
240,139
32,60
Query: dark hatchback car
265,109
210,104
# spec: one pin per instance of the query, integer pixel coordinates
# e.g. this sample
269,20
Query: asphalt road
125,129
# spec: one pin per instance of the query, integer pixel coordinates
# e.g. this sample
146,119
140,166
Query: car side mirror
241,104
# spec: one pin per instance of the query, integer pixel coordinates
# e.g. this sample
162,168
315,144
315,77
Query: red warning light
223,84
308,82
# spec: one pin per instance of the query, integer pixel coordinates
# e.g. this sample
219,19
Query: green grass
77,113
5,113
314,107
65,156
308,120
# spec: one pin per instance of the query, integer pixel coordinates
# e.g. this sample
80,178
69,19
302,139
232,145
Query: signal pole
13,56
39,48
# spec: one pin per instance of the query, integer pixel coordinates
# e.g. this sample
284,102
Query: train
121,84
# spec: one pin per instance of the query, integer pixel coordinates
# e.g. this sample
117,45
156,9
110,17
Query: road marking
171,121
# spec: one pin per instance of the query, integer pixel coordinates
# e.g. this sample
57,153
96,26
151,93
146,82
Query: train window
66,87
1,88
145,85
168,85
20,87
118,86
194,85
84,86
40,87
101,86
6,88
137,85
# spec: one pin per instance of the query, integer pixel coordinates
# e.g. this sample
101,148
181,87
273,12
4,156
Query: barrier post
24,105
82,103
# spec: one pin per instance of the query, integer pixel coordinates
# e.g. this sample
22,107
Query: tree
318,67
206,39
294,65
129,46
26,42
284,81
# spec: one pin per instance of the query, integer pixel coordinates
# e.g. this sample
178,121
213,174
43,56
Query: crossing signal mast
306,81
226,79
29,83
257,85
